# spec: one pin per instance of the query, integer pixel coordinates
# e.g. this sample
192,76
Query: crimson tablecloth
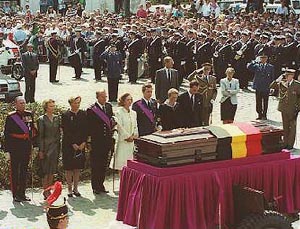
189,196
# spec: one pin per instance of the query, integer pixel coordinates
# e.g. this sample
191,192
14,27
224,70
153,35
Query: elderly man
100,126
19,132
289,105
166,78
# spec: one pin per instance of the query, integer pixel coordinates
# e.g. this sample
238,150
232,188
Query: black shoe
70,195
17,199
74,77
25,198
259,118
289,147
264,118
104,191
97,192
77,194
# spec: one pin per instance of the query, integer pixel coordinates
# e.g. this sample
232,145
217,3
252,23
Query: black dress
74,127
169,116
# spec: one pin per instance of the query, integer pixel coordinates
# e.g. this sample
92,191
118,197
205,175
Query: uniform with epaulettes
19,133
100,127
289,106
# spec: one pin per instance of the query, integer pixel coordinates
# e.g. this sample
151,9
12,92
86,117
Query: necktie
149,105
103,108
192,101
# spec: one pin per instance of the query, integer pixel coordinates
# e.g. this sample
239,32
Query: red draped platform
199,196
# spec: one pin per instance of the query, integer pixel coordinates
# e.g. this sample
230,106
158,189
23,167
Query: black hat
57,212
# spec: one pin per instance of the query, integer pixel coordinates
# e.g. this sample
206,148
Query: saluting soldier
190,53
204,50
78,44
155,53
19,132
53,55
146,110
100,126
289,105
99,48
222,57
208,90
263,77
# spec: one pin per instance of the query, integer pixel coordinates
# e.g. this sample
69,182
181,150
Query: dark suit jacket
145,126
30,63
98,130
188,116
163,84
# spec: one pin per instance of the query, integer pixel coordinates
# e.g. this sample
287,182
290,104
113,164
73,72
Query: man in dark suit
30,64
263,77
99,48
190,106
53,55
146,109
166,78
100,125
19,133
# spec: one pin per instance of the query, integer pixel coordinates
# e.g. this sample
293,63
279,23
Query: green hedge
33,178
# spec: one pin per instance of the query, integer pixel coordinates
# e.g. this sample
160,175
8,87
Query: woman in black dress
168,111
73,145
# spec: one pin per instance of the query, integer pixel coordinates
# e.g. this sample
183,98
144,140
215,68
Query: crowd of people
208,48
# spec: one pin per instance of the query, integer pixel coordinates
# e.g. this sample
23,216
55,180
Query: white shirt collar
147,101
100,105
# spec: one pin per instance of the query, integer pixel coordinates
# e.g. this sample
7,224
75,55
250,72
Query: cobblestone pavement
90,211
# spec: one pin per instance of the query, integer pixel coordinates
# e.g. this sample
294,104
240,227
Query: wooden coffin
180,146
272,137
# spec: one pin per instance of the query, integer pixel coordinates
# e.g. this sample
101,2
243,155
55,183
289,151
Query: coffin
176,147
272,137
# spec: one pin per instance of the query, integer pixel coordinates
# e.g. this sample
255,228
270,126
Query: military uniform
289,106
79,44
98,63
53,56
100,127
208,90
155,53
19,134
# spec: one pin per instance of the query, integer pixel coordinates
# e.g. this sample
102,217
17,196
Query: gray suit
164,83
30,63
229,89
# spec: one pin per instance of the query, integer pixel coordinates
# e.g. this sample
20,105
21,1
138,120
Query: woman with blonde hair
49,143
74,126
127,132
230,87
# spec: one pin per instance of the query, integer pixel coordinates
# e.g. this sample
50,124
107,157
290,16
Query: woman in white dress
127,131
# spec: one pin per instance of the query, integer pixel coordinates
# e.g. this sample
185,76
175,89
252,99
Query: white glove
239,53
279,78
212,101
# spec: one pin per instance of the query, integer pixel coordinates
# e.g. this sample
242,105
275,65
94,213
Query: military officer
204,50
100,126
78,44
263,77
99,48
155,53
208,90
190,52
53,55
289,105
135,51
19,132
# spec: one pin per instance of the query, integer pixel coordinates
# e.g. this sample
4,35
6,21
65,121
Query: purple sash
102,115
20,123
147,112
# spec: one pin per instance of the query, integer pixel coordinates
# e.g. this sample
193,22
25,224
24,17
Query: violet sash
147,112
20,123
102,115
